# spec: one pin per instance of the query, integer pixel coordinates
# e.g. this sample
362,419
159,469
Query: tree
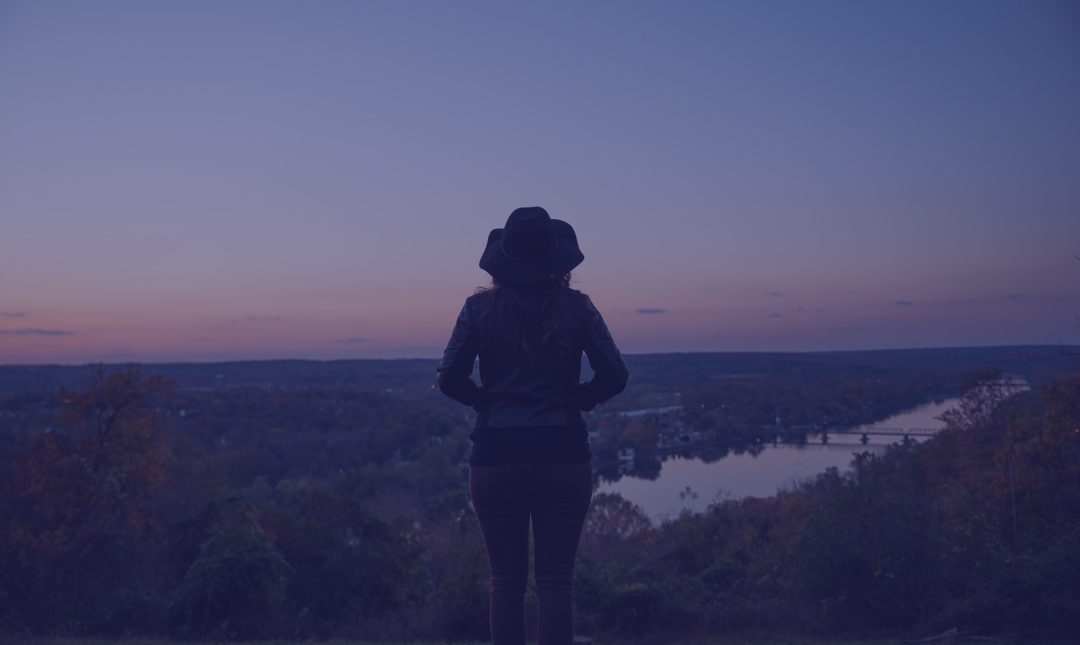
79,505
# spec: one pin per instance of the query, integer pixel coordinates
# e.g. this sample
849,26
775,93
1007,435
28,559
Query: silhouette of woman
530,457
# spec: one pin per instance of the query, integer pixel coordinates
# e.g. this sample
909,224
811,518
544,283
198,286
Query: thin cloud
36,331
254,318
13,314
650,311
904,303
354,340
774,294
775,315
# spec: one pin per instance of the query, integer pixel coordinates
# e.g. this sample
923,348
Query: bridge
865,432
774,432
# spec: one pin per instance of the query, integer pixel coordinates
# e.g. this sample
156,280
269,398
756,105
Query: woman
531,457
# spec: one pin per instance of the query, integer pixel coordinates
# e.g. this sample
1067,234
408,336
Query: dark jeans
556,497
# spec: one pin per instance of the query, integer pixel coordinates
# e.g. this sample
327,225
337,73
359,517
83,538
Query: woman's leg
500,498
562,496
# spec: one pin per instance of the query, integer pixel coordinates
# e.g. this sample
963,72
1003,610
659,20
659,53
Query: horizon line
436,358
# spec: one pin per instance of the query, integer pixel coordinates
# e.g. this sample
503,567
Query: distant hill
1037,363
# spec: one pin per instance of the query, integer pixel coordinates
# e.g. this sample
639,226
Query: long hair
527,320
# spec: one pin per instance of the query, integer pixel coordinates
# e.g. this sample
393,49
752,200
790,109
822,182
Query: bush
236,586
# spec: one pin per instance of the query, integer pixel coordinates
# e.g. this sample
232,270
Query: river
693,484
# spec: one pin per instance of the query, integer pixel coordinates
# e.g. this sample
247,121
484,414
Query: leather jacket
541,391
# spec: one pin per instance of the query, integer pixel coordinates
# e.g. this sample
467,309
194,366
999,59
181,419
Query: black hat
532,247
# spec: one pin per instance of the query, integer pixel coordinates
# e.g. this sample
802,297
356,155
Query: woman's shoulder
581,300
482,294
577,297
581,305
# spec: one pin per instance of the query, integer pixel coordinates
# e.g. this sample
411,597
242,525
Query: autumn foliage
118,519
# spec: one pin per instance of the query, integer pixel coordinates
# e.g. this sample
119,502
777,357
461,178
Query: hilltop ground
725,640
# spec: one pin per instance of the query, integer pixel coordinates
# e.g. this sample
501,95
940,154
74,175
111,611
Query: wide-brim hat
532,247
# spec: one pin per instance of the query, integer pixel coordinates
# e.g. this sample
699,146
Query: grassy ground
159,641
152,641
716,641
156,641
719,640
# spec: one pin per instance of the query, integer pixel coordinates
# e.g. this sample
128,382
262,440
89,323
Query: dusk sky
194,181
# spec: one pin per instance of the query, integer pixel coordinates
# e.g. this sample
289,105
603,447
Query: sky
201,181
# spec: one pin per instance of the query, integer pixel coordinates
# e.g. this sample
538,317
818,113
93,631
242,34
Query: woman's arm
453,376
605,360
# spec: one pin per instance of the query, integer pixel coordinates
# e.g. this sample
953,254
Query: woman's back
531,388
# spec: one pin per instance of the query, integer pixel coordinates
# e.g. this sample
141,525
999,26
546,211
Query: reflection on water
693,484
924,416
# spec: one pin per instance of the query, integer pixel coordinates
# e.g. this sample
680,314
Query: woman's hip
532,486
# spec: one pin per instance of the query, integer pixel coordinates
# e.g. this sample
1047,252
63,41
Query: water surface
691,483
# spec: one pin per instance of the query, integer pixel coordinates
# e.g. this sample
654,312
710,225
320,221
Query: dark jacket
523,392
